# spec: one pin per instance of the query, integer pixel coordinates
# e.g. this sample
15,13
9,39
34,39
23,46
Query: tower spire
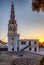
12,16
13,37
12,26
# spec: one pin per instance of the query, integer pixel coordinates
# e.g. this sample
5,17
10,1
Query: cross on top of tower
12,1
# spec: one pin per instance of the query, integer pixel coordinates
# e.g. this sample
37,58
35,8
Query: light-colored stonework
16,58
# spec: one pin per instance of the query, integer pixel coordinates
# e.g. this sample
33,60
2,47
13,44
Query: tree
42,61
38,5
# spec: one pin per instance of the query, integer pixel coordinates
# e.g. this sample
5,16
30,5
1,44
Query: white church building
14,41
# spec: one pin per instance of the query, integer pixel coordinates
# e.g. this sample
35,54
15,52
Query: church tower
13,37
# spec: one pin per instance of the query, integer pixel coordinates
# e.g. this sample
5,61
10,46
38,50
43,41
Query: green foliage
42,61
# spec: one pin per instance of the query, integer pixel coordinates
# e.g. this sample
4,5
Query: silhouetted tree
38,5
42,61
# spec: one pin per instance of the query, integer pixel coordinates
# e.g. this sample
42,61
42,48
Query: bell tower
13,37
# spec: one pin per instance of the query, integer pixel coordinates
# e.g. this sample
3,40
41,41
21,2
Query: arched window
35,42
12,47
23,42
29,43
30,49
35,49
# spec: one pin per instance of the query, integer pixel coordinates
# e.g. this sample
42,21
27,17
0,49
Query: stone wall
19,58
25,61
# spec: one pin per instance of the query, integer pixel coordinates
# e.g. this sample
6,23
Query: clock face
12,39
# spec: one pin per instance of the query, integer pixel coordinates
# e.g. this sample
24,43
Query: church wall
32,46
21,46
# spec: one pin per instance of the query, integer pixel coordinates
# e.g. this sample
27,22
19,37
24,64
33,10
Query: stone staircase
24,48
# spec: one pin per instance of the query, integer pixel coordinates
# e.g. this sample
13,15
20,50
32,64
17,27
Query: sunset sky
30,24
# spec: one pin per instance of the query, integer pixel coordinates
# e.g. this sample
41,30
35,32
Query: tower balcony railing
12,34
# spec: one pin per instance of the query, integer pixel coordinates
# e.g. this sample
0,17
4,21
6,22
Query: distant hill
2,42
